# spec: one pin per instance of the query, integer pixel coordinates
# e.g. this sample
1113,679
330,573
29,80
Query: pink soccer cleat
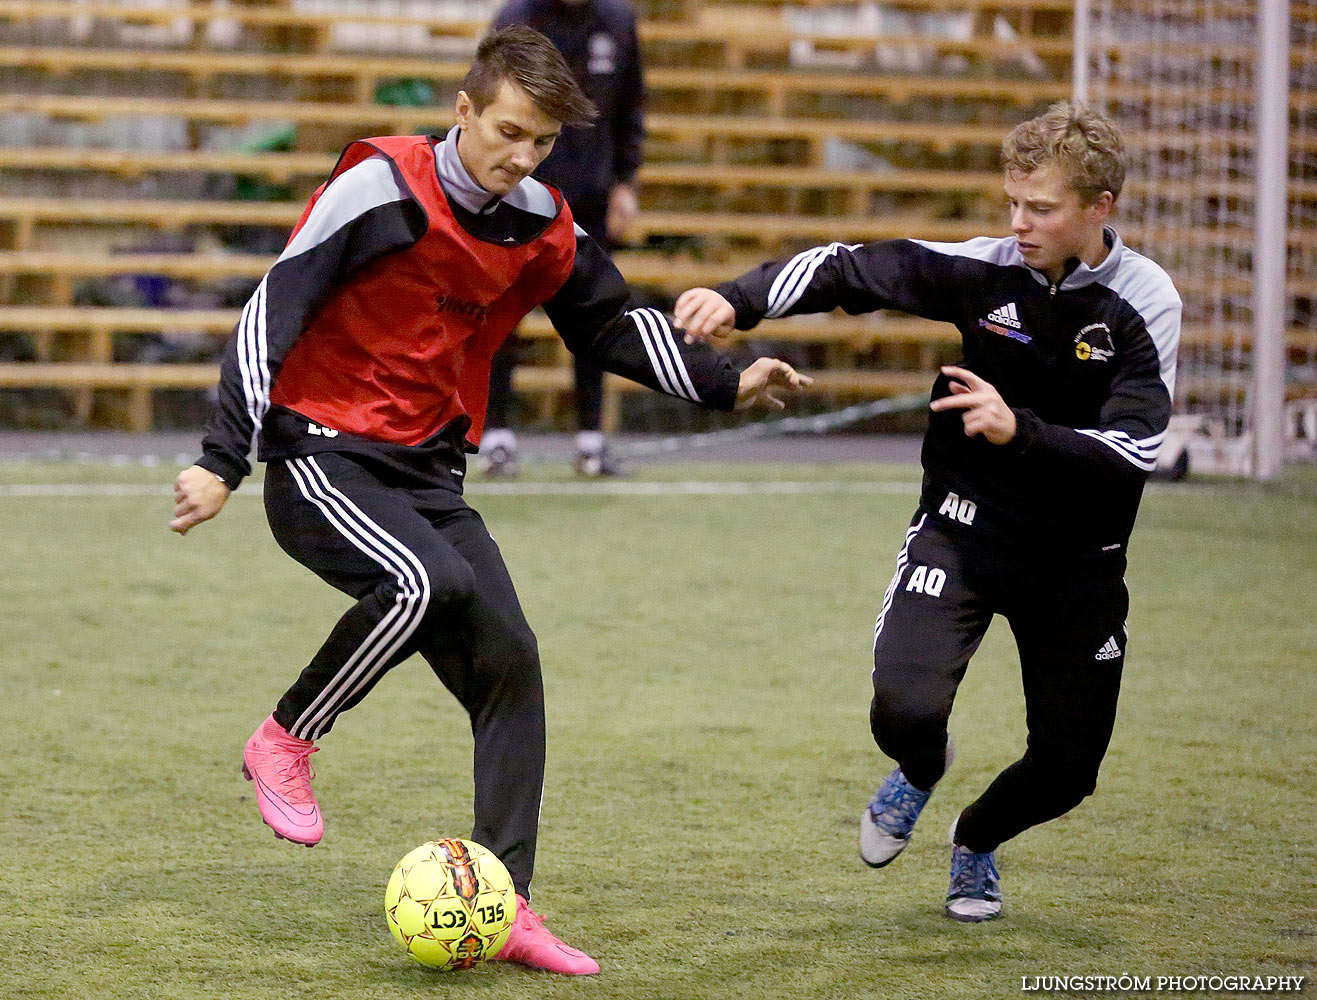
534,945
280,767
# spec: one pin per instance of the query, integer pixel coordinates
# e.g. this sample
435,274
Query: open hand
764,378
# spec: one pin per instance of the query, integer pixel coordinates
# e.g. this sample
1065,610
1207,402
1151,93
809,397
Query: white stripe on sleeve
253,359
792,280
667,343
664,355
642,324
1141,452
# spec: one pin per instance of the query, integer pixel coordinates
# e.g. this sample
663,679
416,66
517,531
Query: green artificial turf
707,662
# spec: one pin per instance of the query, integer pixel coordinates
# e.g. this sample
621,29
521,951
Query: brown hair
1086,145
523,56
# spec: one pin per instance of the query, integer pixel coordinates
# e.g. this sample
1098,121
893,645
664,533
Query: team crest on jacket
1093,343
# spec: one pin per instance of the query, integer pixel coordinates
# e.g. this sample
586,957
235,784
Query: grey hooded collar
1085,275
456,181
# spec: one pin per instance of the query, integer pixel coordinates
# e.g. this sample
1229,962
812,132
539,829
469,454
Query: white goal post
1218,99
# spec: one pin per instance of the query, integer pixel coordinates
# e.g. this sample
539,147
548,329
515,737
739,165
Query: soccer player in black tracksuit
361,365
1037,449
595,169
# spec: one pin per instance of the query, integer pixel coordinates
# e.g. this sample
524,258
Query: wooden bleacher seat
366,117
141,381
374,119
95,370
314,167
857,332
140,163
759,233
668,272
364,74
712,28
739,137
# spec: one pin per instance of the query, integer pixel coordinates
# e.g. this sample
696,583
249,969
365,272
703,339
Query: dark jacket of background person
598,40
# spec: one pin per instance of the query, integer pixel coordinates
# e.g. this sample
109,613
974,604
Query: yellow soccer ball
450,904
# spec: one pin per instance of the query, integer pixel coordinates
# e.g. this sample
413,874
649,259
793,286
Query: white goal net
1190,81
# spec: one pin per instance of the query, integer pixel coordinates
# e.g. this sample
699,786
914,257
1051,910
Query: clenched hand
198,496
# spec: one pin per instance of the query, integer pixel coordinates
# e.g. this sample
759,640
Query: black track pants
427,578
589,389
1068,618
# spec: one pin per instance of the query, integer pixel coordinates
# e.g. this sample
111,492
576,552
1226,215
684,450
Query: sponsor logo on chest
461,307
1005,322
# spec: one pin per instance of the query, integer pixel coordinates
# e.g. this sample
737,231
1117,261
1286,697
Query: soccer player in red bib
360,369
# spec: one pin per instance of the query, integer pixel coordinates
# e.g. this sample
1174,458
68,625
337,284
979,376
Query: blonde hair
1085,144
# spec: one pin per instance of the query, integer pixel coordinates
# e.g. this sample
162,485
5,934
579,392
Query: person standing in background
595,169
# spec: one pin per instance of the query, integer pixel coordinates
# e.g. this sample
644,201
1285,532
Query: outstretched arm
859,278
592,314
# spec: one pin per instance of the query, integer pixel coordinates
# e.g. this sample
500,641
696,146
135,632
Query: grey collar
456,181
1085,275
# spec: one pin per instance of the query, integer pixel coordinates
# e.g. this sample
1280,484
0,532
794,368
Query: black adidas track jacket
1088,366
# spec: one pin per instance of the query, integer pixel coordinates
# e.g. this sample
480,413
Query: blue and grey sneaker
975,891
888,824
